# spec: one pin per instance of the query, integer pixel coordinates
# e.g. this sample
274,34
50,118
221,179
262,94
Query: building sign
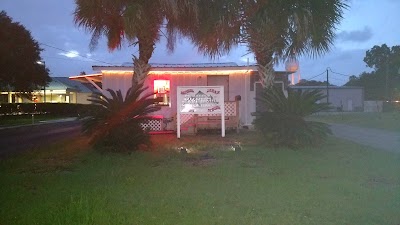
201,100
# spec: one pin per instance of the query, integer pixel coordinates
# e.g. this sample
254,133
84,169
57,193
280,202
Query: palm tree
278,30
137,21
274,30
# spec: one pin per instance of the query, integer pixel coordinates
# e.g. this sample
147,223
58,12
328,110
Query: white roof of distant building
324,87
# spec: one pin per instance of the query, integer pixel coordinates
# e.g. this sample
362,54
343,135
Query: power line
67,59
316,75
76,54
341,74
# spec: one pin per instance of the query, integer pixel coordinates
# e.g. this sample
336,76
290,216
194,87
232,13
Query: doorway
220,80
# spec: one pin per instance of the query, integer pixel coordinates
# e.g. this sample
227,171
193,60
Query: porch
192,123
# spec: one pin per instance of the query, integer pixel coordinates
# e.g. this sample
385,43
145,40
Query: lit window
161,90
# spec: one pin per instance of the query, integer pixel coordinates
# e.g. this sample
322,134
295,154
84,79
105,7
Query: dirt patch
203,160
204,142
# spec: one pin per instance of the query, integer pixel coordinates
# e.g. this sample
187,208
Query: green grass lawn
386,121
339,183
25,119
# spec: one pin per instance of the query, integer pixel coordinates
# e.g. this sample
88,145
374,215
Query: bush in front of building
392,106
283,123
116,124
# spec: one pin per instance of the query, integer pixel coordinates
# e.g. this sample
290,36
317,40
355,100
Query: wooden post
237,116
222,112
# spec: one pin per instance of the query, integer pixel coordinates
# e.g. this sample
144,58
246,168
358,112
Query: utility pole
387,81
44,87
327,85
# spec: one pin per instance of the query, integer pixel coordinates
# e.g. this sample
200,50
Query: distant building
59,90
346,98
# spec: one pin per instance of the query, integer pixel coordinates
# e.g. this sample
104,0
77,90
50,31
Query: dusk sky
366,23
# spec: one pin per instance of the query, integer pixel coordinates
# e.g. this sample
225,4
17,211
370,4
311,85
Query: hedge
391,106
58,109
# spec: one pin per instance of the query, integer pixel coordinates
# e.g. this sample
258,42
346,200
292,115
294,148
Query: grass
386,121
17,120
339,183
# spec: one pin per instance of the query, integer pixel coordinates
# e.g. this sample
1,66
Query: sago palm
116,123
284,124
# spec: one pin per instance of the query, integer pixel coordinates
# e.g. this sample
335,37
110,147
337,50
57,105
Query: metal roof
184,65
63,83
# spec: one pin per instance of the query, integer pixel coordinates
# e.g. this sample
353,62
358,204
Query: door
220,80
349,105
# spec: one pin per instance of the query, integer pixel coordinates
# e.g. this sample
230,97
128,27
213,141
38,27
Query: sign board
200,100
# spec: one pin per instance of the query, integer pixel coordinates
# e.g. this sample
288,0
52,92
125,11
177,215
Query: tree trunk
266,70
141,67
140,70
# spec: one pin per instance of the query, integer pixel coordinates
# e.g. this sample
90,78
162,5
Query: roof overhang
208,70
84,78
179,70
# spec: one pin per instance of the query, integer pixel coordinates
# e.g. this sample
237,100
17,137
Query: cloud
70,54
356,35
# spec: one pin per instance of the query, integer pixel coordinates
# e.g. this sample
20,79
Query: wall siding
239,84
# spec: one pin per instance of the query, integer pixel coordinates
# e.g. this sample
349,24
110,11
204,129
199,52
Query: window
162,91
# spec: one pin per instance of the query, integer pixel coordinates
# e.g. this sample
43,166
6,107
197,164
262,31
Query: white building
58,90
240,83
345,98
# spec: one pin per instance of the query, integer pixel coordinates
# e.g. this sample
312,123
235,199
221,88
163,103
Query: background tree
19,54
384,81
304,82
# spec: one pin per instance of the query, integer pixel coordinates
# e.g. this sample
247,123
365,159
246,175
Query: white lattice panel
186,117
230,108
152,125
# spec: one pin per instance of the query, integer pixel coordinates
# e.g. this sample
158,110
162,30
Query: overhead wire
67,59
341,74
60,49
315,76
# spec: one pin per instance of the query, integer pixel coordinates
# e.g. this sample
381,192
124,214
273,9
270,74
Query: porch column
9,97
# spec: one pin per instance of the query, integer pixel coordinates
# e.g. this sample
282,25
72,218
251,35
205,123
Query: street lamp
44,87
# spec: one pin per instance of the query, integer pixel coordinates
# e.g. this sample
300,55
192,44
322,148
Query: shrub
283,123
115,126
55,109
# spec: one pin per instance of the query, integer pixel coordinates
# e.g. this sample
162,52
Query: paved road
379,139
23,138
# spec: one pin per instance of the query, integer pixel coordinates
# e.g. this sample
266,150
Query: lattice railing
152,124
230,110
186,117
